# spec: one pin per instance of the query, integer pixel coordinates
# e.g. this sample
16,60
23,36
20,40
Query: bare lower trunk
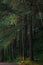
25,36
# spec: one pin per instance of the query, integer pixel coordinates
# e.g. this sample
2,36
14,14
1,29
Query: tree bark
25,36
30,38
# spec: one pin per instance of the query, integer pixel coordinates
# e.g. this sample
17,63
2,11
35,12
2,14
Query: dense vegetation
21,22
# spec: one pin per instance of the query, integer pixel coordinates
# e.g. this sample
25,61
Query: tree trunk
25,36
30,38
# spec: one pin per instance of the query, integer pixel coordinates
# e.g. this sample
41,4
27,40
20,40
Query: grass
28,62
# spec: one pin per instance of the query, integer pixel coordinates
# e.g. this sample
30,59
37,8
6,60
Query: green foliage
8,31
8,19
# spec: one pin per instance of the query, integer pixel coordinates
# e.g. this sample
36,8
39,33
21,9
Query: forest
21,31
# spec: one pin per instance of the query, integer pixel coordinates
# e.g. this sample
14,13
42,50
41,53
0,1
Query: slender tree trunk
20,37
1,55
31,44
30,38
25,36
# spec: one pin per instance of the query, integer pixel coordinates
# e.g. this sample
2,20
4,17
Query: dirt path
8,64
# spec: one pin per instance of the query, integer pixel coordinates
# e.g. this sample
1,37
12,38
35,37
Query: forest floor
28,62
8,64
23,63
31,63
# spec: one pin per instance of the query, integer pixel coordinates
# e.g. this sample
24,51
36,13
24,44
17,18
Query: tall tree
22,8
